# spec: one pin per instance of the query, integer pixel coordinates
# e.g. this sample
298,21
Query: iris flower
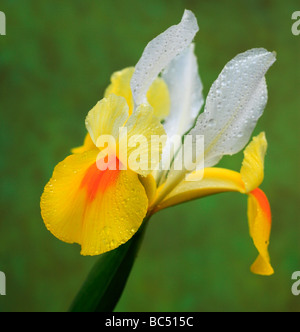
101,209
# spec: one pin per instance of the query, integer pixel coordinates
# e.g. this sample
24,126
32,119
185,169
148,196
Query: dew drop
211,123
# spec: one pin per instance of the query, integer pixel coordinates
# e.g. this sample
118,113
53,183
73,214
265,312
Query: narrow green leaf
104,285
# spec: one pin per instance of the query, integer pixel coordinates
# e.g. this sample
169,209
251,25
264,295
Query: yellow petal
100,210
107,117
260,222
114,215
149,184
215,180
120,86
158,94
87,145
143,151
158,97
252,170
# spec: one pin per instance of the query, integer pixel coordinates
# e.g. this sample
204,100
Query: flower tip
188,15
262,267
261,137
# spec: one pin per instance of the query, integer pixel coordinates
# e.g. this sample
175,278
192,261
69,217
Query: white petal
234,104
159,52
185,88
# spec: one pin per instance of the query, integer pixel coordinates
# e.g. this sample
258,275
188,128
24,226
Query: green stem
105,284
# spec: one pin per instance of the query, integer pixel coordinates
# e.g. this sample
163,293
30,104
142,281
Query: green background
55,63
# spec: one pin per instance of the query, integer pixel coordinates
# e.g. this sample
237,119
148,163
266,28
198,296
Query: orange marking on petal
96,180
263,202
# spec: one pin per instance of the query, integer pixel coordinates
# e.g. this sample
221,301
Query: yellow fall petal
260,222
252,170
215,180
100,210
113,217
158,94
62,203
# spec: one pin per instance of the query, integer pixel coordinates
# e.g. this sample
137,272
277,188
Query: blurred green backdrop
55,63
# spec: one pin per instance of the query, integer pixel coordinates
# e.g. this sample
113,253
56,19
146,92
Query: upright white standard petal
234,104
185,88
159,52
